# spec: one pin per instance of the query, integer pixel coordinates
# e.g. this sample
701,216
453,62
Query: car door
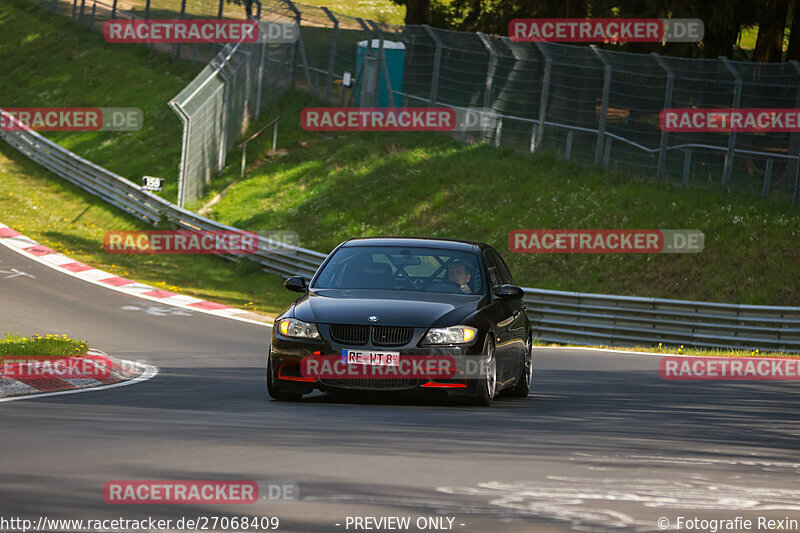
503,318
517,329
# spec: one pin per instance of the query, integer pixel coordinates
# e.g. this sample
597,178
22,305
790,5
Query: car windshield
402,268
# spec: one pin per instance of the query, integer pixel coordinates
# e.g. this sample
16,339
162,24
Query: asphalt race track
603,444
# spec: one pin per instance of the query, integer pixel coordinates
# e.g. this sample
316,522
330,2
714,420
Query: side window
505,275
494,272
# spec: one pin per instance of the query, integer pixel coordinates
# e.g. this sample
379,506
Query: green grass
50,62
360,184
49,345
63,217
377,10
364,184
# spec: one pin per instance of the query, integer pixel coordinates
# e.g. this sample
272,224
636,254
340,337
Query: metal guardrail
274,256
582,318
557,316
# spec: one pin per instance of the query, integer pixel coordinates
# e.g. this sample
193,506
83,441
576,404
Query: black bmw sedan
404,314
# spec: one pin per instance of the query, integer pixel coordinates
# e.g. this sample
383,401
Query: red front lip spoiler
294,378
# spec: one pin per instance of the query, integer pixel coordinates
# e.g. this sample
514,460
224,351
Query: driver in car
458,273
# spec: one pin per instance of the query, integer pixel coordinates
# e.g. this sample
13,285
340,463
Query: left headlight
451,335
291,327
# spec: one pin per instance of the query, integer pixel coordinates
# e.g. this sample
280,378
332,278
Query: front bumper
287,354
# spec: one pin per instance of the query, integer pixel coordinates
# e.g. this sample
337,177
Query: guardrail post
437,62
487,94
298,44
332,57
601,126
687,165
668,91
727,171
548,69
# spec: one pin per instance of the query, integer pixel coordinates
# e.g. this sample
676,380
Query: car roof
420,242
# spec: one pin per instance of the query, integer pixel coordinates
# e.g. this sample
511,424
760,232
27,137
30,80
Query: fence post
176,47
687,166
223,138
601,126
299,44
384,63
607,156
794,145
262,52
54,7
332,58
437,61
487,94
94,10
568,145
74,8
668,91
767,178
548,69
727,171
83,4
219,10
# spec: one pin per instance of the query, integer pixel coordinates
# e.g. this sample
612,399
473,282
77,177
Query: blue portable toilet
395,53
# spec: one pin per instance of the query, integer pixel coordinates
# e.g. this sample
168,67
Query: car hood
393,308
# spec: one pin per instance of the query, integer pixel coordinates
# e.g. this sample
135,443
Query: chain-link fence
585,103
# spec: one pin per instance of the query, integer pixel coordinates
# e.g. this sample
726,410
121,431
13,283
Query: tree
771,28
417,11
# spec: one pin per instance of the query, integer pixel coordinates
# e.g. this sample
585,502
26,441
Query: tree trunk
418,11
793,52
771,27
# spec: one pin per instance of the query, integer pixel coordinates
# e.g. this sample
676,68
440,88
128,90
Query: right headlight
451,335
291,327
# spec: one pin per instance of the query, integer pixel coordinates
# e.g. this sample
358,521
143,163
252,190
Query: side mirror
296,284
509,292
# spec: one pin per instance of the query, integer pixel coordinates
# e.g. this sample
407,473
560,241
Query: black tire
486,389
525,382
272,388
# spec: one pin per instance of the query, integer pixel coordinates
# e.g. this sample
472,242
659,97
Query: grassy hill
332,187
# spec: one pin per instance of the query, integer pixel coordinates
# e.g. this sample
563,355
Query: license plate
362,357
